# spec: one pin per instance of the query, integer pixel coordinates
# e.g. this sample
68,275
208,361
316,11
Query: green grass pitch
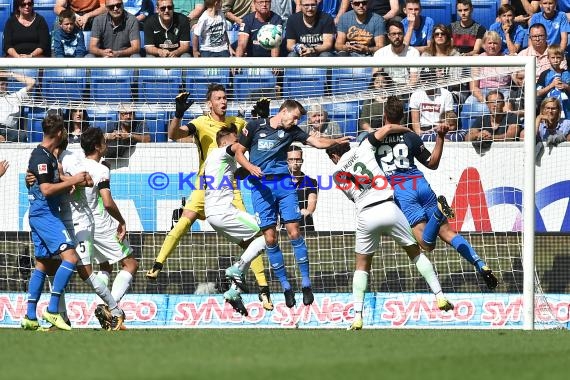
285,354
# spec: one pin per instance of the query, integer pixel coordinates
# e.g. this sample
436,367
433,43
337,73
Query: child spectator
68,40
556,23
211,32
512,34
449,118
555,82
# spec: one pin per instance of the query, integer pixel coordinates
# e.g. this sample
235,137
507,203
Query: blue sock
466,250
302,257
275,257
35,287
60,280
432,227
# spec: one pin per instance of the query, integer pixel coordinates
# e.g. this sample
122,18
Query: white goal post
255,67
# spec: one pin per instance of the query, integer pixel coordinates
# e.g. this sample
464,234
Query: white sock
251,252
359,284
104,277
101,290
426,269
121,285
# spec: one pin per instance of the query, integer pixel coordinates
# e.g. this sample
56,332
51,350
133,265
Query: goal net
486,183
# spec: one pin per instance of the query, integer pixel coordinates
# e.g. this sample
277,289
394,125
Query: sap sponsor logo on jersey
264,144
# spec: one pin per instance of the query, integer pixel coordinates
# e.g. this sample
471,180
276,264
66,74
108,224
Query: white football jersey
99,173
219,171
359,177
74,209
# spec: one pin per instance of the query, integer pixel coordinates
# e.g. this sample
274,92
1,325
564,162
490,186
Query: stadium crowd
378,28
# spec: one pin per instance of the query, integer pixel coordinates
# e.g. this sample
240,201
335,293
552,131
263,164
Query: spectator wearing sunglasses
360,33
167,33
115,34
26,33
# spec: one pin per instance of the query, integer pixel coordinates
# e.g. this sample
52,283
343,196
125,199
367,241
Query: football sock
467,252
121,285
426,269
173,238
275,257
432,227
104,278
101,290
35,287
359,284
302,257
251,257
60,280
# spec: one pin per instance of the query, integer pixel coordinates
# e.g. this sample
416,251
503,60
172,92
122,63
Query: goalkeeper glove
182,104
261,108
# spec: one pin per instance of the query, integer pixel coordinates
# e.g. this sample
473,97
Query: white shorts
383,219
108,248
82,234
235,225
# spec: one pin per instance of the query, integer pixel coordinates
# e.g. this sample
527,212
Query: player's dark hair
213,87
52,124
338,149
209,3
64,142
90,139
294,148
497,93
291,104
393,110
225,131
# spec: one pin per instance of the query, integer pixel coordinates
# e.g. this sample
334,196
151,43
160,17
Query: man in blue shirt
273,190
49,235
395,155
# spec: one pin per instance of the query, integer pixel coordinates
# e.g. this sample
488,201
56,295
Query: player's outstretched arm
239,151
389,129
325,142
175,130
4,165
433,161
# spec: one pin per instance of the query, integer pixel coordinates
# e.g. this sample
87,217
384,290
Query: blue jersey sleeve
417,147
42,167
247,134
299,135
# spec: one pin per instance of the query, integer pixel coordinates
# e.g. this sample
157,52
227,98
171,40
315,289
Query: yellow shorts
196,202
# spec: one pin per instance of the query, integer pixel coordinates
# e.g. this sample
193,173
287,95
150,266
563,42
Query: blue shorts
274,197
50,236
416,199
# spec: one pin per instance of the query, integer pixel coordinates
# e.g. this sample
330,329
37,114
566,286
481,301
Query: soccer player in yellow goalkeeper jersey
204,129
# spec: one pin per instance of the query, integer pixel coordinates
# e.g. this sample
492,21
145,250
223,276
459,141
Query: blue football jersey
43,164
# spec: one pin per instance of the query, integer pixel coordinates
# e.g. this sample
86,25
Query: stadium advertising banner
486,192
330,310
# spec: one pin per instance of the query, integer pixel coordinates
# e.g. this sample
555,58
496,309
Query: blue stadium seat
5,10
349,80
197,80
157,124
64,84
14,85
111,85
159,85
304,82
252,83
45,8
346,115
34,117
87,38
103,119
438,10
